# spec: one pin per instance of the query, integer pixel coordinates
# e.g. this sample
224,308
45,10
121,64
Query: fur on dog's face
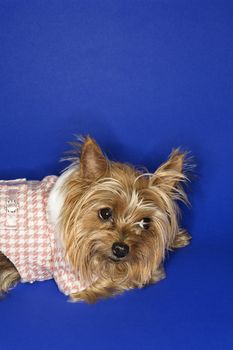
116,221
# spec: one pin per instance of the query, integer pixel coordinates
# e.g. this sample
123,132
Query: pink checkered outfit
28,239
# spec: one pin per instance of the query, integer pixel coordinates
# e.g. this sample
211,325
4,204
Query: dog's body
110,224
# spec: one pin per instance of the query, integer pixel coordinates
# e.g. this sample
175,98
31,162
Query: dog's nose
120,250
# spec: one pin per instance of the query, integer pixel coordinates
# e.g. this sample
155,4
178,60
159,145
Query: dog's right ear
93,163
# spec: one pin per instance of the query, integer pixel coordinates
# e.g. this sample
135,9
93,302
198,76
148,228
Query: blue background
141,77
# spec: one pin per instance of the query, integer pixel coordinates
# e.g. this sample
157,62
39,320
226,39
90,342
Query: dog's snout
120,250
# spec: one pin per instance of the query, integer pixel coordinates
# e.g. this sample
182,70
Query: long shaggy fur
132,195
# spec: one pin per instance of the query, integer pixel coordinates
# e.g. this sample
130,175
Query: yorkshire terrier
99,229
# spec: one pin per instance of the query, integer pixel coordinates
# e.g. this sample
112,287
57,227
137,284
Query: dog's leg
182,239
9,276
101,289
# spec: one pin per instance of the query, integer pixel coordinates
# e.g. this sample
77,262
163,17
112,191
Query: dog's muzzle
120,250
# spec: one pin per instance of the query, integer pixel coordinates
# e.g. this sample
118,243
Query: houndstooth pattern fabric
28,239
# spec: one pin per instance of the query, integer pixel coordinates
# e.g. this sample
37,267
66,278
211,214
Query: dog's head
117,221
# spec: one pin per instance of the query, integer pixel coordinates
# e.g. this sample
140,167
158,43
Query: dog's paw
83,296
158,275
182,239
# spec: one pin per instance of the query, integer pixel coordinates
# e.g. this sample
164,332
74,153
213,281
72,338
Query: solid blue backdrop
141,77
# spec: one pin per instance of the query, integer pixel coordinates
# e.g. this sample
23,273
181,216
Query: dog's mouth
115,259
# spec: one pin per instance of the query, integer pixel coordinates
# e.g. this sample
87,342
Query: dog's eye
105,214
145,223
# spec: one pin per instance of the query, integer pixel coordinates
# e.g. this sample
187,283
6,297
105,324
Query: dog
99,229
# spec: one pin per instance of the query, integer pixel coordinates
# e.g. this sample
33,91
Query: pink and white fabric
28,239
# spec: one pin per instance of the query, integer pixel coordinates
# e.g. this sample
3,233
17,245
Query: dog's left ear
171,173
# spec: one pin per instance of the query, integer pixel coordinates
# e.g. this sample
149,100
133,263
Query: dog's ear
93,163
171,173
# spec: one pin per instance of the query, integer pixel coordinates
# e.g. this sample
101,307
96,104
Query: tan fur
9,276
95,183
132,196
